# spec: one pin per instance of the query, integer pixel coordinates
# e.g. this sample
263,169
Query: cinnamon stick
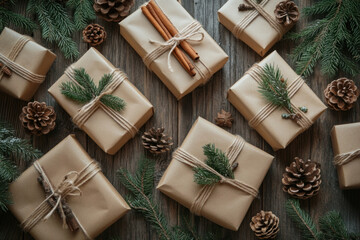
177,53
173,31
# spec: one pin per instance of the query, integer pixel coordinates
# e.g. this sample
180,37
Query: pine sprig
333,40
7,16
217,160
83,12
85,90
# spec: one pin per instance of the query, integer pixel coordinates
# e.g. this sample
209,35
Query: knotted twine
69,186
88,109
8,62
344,158
232,153
189,33
252,14
255,72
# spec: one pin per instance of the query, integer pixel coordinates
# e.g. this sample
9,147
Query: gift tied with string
276,101
259,23
215,174
23,64
173,45
346,147
101,101
64,195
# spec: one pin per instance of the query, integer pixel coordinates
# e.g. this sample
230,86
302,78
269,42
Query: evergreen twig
333,40
85,90
217,160
7,17
83,12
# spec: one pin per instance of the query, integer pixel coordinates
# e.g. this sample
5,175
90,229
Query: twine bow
189,33
69,186
344,158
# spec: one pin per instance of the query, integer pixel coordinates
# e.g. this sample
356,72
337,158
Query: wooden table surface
178,116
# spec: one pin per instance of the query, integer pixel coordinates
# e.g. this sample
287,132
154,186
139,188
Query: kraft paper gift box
278,132
98,206
138,32
108,134
256,31
226,205
346,142
26,61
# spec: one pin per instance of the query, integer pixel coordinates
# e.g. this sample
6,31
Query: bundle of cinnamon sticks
167,30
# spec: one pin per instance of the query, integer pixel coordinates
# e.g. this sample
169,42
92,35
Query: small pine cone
302,179
341,94
37,118
94,34
224,119
113,10
286,12
155,141
265,225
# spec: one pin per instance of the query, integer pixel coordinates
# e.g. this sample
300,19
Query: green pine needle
217,160
84,90
7,16
83,12
5,198
333,40
8,171
273,87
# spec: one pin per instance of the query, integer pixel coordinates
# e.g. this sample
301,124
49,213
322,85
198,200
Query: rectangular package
247,99
139,33
106,132
27,61
346,138
98,207
226,206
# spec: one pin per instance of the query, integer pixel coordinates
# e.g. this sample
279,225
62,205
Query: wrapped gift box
226,205
27,61
346,139
278,132
106,132
138,31
99,205
258,33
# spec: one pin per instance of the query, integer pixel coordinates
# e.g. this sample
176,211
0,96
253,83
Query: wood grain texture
178,117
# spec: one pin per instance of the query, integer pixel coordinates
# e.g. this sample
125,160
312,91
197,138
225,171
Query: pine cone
341,94
113,10
37,118
156,141
224,119
265,225
302,179
286,12
94,34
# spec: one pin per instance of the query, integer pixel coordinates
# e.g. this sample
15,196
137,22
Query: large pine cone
94,34
302,179
265,225
113,10
155,141
341,94
37,118
286,12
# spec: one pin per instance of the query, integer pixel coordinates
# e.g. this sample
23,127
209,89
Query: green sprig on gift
273,87
85,90
217,160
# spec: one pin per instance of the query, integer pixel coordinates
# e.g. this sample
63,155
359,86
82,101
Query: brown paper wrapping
346,138
226,206
99,206
259,35
137,30
107,134
278,132
33,57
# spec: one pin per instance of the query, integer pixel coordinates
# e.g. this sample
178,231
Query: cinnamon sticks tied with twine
167,31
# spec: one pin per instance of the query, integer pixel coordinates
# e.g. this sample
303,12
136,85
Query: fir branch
217,160
302,219
18,148
84,90
8,171
5,198
273,87
83,12
8,17
333,40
